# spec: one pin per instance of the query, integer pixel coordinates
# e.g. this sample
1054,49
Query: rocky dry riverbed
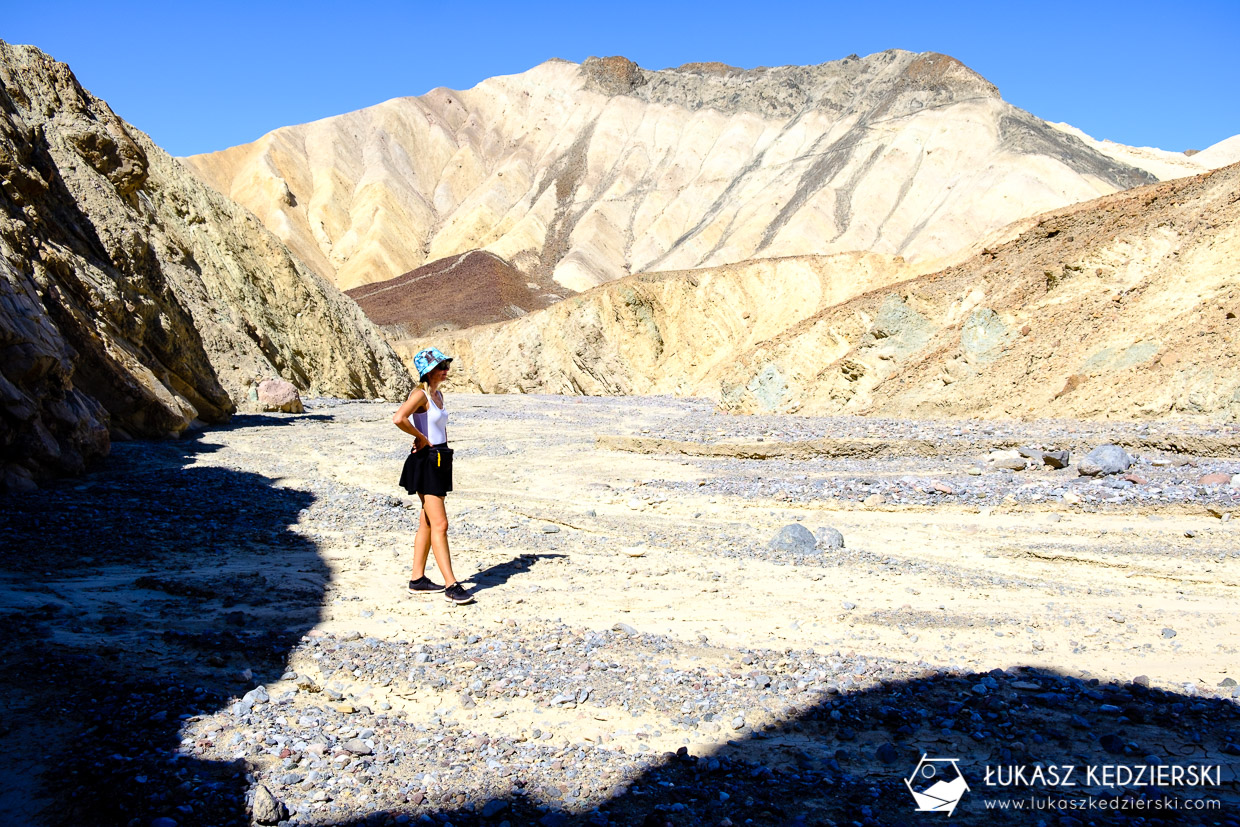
216,628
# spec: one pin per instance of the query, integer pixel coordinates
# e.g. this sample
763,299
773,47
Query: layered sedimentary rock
452,293
588,173
134,300
1123,307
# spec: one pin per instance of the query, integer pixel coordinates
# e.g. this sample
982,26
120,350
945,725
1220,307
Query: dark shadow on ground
130,599
251,420
844,761
499,574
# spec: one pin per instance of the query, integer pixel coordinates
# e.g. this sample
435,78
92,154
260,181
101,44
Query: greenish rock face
1135,355
984,333
1098,361
907,329
1107,359
769,388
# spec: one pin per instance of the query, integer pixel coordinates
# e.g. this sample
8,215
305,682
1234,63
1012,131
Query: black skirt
428,471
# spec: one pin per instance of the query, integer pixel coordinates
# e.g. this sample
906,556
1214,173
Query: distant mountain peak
585,173
893,82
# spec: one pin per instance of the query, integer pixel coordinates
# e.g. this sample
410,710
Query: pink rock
279,395
1215,479
1136,479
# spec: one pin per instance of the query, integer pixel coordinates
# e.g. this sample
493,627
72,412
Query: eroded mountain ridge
587,173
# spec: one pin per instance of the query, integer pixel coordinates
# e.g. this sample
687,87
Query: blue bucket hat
427,360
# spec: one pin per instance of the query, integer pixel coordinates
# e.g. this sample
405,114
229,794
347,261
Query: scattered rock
1008,459
266,809
1105,460
794,539
828,538
1055,459
358,747
258,695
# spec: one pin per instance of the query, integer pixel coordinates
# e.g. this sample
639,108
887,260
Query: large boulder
794,539
1104,461
279,395
828,538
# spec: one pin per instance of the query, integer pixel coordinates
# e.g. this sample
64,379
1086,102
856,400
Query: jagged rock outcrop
134,300
587,173
1124,307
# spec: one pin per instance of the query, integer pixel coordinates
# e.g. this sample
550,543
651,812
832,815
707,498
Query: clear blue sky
200,77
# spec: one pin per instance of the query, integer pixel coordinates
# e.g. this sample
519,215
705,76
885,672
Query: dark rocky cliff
134,300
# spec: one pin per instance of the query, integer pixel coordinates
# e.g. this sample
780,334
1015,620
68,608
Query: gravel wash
215,630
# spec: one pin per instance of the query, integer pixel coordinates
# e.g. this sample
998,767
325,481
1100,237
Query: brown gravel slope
473,288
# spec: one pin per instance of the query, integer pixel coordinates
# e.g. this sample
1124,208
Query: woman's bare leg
435,521
421,544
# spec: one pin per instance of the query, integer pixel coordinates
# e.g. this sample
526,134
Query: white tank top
433,422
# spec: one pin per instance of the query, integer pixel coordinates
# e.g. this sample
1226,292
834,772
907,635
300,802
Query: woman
428,473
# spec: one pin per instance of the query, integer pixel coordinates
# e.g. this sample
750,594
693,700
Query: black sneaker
424,585
457,594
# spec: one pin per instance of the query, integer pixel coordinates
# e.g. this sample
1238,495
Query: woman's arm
416,400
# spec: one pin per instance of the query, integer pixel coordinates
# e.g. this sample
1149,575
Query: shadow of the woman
500,573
